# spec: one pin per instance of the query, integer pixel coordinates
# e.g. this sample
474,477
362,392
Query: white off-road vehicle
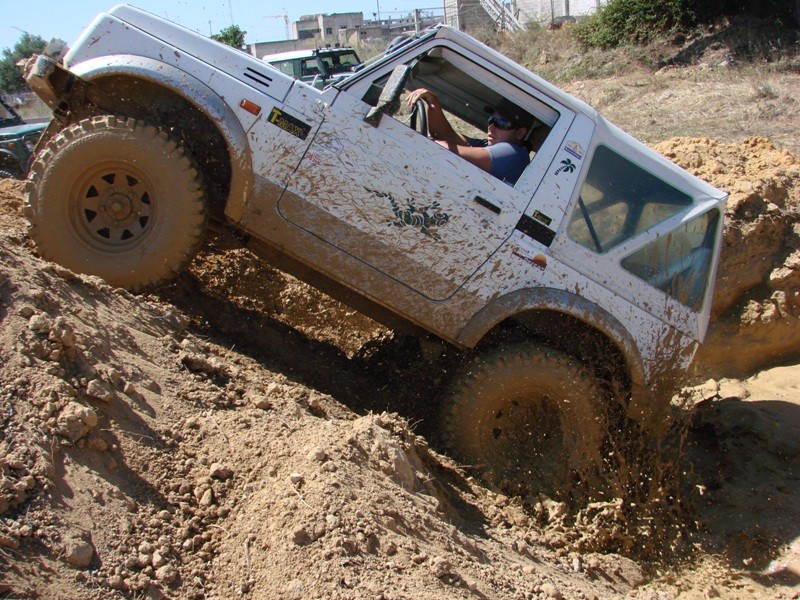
590,277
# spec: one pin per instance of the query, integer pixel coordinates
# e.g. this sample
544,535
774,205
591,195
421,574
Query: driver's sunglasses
501,123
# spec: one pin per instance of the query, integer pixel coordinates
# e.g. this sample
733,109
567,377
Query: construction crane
285,17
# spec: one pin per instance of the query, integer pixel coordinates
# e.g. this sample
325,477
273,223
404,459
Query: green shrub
783,13
622,22
625,22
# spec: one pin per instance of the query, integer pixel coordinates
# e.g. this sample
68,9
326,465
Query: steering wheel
419,118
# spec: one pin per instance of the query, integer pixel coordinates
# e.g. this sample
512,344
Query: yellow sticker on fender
289,123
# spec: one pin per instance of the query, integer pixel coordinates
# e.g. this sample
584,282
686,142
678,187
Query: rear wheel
530,418
117,198
6,173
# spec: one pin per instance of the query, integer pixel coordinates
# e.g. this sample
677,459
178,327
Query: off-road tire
529,418
117,198
8,174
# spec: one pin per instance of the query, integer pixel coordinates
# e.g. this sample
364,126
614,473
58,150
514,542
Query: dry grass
728,83
726,104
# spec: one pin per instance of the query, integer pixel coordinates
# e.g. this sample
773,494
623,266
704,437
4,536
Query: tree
233,36
11,79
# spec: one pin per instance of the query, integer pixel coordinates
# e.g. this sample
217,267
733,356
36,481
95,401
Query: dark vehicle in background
17,141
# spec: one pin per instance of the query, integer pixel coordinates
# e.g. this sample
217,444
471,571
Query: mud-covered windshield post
389,100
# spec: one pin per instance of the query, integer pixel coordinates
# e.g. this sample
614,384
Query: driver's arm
439,127
477,155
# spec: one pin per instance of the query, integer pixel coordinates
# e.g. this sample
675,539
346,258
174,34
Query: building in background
351,29
345,29
469,15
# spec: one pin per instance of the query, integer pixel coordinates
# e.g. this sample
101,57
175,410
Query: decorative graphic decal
567,166
575,149
289,123
426,219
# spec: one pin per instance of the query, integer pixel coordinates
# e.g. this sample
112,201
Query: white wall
544,11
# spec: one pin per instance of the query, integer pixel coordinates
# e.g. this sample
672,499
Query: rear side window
309,67
679,263
285,66
618,201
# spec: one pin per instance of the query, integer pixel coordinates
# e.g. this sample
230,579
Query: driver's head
507,122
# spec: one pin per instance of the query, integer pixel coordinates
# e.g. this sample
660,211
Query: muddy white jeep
588,279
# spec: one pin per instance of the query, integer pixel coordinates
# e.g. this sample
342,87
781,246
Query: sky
263,20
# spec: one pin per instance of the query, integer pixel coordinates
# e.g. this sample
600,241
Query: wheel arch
149,89
564,319
9,161
135,217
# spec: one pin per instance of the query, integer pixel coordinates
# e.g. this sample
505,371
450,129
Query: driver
503,153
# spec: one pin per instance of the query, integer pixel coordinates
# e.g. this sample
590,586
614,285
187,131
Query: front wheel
117,198
529,418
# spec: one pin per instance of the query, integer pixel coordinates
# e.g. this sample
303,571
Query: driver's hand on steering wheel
423,94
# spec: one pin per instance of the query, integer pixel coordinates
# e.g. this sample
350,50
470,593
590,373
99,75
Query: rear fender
559,301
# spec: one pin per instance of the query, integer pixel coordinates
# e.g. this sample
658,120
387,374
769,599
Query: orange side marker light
250,107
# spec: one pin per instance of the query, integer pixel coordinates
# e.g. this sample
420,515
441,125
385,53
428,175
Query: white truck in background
318,67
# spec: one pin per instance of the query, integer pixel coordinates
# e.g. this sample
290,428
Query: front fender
194,91
531,299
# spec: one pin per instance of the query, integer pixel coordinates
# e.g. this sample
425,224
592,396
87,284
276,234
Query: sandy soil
241,435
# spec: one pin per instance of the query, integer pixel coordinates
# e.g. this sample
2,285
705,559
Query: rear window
679,263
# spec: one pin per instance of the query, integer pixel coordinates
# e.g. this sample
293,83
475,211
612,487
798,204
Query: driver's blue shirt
508,160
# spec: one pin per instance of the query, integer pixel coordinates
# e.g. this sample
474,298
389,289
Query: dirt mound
238,435
137,458
739,38
757,297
